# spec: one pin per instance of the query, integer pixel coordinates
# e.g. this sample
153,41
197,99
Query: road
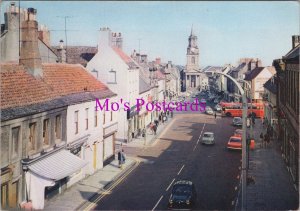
179,155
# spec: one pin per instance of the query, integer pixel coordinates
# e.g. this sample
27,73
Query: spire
192,31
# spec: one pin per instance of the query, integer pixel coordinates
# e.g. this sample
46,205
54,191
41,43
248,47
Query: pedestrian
171,114
248,122
215,115
123,157
253,120
156,122
164,118
120,158
159,118
266,140
144,135
261,139
154,129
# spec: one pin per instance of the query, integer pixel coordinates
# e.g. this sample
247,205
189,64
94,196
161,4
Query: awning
58,165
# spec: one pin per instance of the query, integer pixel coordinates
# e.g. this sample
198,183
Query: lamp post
244,141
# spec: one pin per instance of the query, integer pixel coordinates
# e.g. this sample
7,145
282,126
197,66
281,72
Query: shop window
103,117
76,121
96,119
86,118
15,140
32,136
46,132
4,196
58,127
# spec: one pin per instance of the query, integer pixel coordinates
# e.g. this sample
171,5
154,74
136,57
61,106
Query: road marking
103,194
199,137
235,188
238,177
170,184
157,202
232,203
180,170
195,147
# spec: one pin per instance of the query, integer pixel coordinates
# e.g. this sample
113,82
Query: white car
218,108
203,100
208,138
209,110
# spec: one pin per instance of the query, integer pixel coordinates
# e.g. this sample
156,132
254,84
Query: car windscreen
208,135
235,140
182,190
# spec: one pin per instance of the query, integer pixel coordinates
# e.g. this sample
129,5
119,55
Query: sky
226,31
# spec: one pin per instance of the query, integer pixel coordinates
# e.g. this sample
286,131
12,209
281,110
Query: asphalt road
179,155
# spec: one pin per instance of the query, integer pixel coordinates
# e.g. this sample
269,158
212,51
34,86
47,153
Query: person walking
215,115
261,139
144,135
151,127
156,122
154,129
120,158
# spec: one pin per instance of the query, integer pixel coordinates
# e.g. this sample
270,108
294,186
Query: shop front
47,175
109,134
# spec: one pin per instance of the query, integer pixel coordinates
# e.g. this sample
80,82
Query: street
179,154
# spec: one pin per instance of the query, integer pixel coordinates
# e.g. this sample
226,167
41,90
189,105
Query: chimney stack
62,57
105,38
157,61
295,40
30,55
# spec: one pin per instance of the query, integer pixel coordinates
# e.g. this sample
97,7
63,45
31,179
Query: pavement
150,138
272,188
79,194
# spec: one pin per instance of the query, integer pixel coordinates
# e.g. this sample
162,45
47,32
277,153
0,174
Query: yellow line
94,203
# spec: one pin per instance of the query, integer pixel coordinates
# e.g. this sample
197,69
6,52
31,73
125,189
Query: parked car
235,142
208,138
237,121
209,110
218,107
216,101
183,195
203,100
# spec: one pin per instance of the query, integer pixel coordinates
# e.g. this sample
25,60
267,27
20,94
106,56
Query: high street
178,154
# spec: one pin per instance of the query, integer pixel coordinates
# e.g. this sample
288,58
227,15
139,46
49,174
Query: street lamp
244,141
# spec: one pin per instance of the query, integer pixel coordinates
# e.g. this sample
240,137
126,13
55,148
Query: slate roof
79,54
250,76
22,93
143,86
293,54
127,59
271,86
27,110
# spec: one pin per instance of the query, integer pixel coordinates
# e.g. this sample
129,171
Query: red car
235,142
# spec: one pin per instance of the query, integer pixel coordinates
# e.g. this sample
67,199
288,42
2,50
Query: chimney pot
295,40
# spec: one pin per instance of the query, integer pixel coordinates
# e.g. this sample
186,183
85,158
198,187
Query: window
58,127
32,135
96,118
112,76
76,121
103,117
15,140
46,132
86,118
111,116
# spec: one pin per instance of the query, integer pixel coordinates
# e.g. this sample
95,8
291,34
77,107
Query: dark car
183,195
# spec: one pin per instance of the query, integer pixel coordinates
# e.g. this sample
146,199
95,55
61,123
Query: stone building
121,74
44,143
192,70
287,69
